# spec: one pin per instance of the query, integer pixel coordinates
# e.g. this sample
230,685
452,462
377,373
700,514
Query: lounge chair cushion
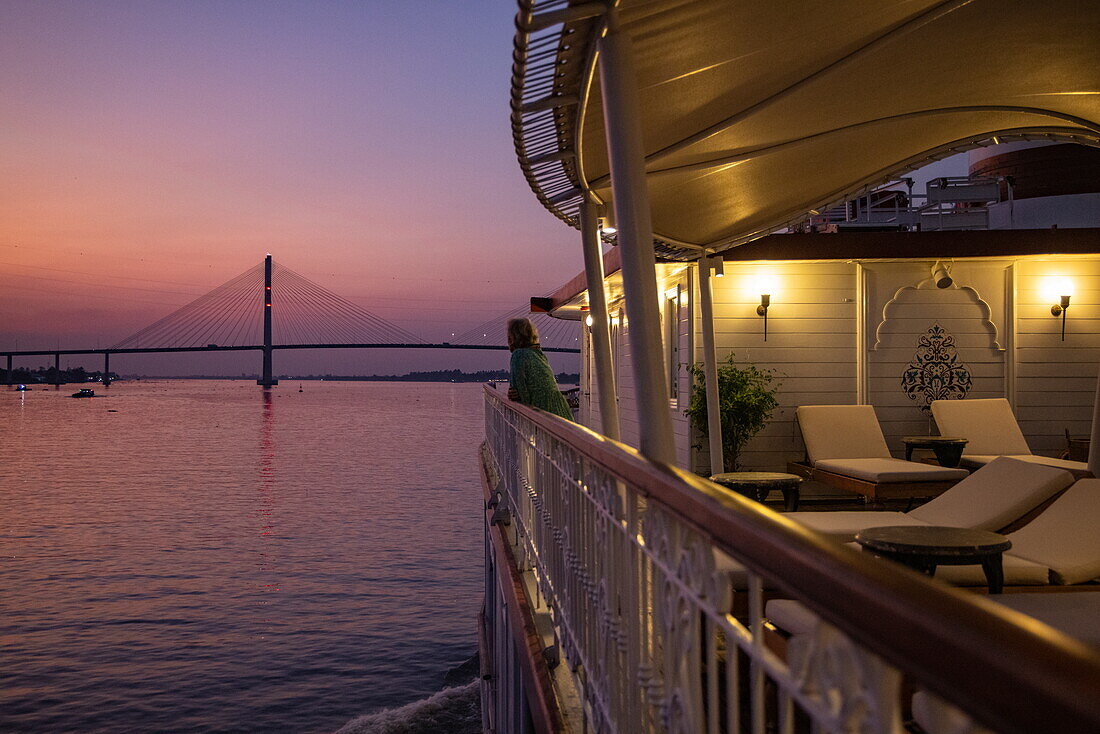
1075,614
790,616
841,432
1018,572
843,526
988,424
890,470
936,716
1004,490
1064,536
980,460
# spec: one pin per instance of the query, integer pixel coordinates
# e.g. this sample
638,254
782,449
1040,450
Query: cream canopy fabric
756,112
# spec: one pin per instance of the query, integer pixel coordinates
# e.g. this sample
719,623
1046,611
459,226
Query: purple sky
152,151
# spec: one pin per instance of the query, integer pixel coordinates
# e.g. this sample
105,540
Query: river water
207,556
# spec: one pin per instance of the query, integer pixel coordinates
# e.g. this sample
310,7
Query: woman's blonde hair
522,333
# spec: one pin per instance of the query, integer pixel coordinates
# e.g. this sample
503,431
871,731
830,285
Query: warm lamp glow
759,284
588,320
1059,290
1056,286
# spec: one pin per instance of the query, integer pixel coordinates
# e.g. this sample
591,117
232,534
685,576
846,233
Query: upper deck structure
626,594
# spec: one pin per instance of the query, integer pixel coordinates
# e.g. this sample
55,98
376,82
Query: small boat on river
84,392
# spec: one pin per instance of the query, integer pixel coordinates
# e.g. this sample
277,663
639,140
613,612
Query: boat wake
452,710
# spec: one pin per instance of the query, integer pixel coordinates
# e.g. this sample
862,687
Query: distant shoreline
563,378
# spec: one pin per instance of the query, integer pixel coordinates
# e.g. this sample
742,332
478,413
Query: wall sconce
1059,309
1062,289
941,277
762,310
719,267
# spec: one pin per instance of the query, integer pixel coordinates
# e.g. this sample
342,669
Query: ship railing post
710,366
106,369
57,369
626,154
9,371
601,325
1094,445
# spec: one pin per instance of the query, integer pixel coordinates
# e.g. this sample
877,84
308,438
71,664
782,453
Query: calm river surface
197,556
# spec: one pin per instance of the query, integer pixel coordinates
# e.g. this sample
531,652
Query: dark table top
772,478
932,539
931,440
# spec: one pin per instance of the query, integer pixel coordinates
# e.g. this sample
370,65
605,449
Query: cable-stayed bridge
270,307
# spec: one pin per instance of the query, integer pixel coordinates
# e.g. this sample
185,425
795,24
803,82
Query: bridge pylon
266,380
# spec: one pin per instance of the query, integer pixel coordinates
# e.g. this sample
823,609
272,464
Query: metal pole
626,155
266,380
1094,445
710,367
57,369
9,370
106,369
601,325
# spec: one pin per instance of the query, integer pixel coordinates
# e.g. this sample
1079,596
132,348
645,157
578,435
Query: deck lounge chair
999,496
1062,540
1073,614
846,449
991,429
1059,547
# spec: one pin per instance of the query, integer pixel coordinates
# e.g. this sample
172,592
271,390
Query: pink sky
152,151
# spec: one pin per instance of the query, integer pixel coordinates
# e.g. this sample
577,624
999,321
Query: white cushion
890,470
1018,572
790,616
1065,536
841,432
1004,490
1077,614
980,460
936,716
988,425
1074,466
843,526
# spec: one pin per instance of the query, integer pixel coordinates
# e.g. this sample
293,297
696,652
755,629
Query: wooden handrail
1003,668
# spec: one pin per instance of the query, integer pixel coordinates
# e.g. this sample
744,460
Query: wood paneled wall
998,312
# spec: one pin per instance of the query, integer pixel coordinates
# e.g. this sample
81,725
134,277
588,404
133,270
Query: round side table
924,547
948,449
757,485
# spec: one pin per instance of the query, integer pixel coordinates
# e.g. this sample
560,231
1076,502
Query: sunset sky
152,151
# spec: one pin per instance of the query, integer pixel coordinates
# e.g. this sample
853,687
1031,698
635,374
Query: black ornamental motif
936,372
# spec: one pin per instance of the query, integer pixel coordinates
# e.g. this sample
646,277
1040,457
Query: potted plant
746,398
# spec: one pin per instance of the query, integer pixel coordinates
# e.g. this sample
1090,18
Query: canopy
756,112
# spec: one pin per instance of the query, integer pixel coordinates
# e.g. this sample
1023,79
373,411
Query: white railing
655,580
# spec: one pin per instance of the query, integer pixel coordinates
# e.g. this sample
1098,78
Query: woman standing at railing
532,381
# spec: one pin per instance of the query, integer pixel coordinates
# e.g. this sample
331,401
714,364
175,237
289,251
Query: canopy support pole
626,155
601,325
1094,445
710,366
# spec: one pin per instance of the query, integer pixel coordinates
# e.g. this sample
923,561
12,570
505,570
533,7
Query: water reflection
152,547
266,501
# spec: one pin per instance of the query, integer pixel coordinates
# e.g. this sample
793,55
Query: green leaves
746,397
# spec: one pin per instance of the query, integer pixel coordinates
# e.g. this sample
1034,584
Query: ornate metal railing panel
643,568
